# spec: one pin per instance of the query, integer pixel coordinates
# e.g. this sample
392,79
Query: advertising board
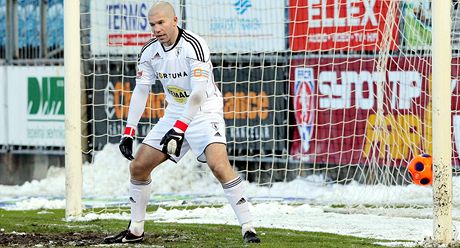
339,99
35,110
322,25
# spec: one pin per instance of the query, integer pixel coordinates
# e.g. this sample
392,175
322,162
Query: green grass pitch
47,228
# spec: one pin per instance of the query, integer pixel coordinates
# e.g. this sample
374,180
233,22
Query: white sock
247,227
139,195
136,227
234,191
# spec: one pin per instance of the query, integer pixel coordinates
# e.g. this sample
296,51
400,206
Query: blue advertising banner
239,26
121,27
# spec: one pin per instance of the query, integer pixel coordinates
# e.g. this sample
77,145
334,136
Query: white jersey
176,68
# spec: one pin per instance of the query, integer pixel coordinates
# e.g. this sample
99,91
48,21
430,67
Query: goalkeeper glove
173,139
126,143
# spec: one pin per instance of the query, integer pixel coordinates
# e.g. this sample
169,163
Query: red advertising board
128,39
341,24
335,105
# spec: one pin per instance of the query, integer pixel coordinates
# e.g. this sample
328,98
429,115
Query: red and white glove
126,143
173,139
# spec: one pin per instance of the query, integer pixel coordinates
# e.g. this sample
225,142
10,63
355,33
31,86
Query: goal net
325,102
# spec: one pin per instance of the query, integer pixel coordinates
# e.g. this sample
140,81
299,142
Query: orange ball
421,169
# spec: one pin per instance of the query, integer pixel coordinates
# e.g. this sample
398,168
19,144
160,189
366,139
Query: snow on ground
105,183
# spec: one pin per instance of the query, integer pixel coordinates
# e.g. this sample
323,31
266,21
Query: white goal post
324,92
73,152
442,143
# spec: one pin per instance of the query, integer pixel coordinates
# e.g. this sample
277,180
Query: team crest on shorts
215,125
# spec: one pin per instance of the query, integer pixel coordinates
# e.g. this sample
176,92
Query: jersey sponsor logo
171,75
179,94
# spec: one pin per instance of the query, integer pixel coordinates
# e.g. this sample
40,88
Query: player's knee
138,171
219,170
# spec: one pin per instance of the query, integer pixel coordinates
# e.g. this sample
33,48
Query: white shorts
205,129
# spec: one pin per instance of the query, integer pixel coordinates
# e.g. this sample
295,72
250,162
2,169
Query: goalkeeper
193,119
